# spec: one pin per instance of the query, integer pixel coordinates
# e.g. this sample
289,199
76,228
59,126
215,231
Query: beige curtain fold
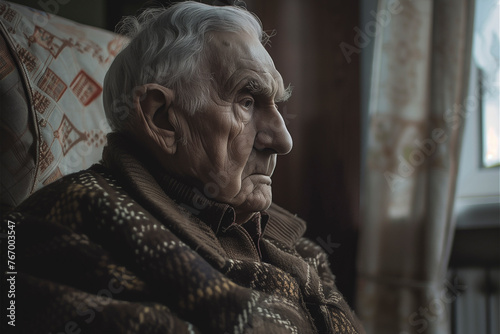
418,106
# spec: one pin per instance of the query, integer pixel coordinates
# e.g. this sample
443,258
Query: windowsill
477,236
477,212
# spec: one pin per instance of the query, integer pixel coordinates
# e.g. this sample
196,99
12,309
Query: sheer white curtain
417,109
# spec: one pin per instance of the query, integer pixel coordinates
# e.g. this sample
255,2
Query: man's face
232,143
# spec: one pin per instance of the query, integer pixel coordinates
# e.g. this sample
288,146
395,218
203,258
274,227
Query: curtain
418,105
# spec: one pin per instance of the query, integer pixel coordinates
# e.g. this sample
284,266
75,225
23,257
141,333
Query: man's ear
154,104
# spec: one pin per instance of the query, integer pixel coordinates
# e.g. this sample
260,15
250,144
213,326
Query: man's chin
257,200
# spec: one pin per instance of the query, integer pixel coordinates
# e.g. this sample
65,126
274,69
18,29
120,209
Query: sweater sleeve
69,310
337,312
66,283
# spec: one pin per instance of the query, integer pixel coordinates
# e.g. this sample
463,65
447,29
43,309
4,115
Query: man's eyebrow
257,88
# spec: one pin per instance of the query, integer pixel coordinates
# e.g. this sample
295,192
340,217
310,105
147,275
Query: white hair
166,47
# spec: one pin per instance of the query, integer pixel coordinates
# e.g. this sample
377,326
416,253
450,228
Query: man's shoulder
94,182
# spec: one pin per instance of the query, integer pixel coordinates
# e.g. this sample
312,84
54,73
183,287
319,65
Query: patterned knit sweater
106,250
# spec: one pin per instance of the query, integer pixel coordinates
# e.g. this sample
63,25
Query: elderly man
175,230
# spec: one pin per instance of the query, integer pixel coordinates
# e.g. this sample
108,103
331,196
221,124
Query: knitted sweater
118,248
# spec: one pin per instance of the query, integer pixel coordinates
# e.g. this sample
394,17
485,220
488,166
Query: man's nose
272,133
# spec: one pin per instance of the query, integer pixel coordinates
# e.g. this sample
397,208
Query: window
486,56
477,185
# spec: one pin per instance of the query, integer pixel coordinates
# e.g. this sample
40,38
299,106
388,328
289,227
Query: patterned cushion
52,119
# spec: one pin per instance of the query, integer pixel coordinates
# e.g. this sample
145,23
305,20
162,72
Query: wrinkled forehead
239,58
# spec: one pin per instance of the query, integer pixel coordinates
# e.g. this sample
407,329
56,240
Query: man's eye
247,103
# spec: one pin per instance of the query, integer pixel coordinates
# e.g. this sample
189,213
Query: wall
319,179
91,12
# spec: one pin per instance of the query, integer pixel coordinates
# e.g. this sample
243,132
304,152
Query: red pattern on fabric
52,85
9,15
29,61
48,41
46,156
33,41
68,135
85,88
40,102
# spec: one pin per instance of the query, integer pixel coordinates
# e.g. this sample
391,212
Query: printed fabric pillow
51,114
